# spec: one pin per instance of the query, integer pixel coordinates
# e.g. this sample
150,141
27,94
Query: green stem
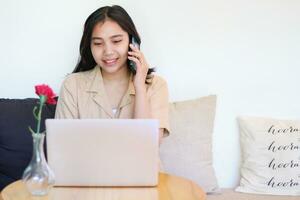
42,101
34,113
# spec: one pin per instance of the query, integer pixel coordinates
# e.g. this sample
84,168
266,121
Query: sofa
15,138
186,119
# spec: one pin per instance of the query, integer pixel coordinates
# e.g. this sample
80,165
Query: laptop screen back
103,152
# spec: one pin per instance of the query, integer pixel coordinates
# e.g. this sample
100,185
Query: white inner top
114,110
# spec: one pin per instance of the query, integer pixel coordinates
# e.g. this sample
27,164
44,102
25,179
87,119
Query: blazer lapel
128,97
97,87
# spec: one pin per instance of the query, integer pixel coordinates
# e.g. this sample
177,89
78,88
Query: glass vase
38,177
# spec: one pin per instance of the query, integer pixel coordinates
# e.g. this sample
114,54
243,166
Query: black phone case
131,64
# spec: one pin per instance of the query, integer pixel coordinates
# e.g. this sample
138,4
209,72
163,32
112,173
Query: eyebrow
112,37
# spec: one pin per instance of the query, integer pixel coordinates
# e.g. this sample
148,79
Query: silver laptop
103,152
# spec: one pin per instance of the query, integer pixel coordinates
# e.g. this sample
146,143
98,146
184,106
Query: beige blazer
83,95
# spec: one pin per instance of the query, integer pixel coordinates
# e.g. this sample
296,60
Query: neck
120,76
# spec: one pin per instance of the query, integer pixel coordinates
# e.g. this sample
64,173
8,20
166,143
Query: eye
97,43
116,41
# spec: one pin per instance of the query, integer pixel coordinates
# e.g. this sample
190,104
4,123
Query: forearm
142,106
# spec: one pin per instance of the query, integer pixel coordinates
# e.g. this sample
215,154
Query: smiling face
109,46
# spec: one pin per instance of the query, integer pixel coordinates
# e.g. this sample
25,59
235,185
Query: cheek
123,51
96,52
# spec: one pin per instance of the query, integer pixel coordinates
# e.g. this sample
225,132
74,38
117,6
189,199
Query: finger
134,59
134,53
134,48
139,55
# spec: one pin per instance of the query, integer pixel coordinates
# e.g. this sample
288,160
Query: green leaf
30,129
35,112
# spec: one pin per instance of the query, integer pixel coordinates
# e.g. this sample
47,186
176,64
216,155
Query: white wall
246,52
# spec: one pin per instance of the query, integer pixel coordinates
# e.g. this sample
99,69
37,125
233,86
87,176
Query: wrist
140,88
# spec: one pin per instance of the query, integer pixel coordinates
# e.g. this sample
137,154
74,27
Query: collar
96,86
96,82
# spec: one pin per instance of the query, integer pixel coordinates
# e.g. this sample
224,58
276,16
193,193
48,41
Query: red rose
45,90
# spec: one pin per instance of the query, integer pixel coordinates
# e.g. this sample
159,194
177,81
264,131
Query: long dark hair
115,13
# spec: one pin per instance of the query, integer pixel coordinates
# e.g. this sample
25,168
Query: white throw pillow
270,156
187,151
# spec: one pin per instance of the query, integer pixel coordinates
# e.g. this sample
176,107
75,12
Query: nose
108,49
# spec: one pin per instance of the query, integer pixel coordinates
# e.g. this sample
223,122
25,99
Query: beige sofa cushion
270,156
230,194
187,152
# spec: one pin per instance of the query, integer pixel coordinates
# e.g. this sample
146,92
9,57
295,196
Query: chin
111,69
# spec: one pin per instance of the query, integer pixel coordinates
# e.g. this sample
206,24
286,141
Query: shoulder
157,84
78,79
157,81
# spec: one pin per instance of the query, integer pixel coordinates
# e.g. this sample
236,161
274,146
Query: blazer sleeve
159,104
67,106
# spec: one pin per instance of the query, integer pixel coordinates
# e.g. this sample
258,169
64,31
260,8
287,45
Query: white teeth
110,61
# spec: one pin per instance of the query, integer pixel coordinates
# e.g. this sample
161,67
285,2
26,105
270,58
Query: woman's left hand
141,67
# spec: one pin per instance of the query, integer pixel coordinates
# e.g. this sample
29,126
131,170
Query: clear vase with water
38,177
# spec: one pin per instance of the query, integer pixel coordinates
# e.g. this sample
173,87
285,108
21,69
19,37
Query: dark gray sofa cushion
15,138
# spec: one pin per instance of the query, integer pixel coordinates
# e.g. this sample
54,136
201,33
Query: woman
103,85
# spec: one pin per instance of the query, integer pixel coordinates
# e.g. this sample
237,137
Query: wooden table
169,188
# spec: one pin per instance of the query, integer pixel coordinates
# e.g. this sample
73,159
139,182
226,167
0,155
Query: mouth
110,62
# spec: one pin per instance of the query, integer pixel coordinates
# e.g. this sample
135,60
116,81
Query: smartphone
131,64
